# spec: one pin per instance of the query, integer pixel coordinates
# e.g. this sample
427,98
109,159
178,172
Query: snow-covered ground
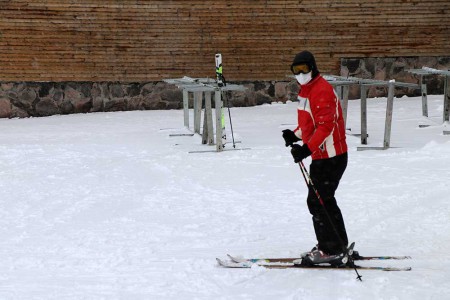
109,206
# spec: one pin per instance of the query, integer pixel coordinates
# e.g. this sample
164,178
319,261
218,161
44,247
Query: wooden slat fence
138,41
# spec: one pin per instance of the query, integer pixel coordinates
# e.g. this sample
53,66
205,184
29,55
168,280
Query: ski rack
446,108
342,87
202,88
345,82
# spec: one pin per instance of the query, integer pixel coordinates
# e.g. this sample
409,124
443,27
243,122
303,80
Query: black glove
299,153
289,137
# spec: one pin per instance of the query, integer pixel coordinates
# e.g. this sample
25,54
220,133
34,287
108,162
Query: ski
219,70
291,259
220,83
290,265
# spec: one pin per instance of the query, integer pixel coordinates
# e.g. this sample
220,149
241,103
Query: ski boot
304,254
316,257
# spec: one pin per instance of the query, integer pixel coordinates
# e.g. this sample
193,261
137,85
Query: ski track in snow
109,206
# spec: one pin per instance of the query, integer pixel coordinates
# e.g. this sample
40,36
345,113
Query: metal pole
218,106
186,108
208,131
446,98
344,101
363,115
338,90
389,109
423,89
205,122
197,111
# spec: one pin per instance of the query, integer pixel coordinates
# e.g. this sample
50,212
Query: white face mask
304,78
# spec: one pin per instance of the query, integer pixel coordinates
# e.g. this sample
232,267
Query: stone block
135,103
97,104
17,112
5,108
46,107
281,91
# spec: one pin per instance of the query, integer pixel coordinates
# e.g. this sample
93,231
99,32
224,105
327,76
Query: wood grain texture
135,40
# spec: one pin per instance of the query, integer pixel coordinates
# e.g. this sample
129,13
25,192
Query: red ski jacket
320,122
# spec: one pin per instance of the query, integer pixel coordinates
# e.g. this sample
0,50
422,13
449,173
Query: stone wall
37,99
388,68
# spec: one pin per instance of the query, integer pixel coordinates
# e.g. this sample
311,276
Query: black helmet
306,57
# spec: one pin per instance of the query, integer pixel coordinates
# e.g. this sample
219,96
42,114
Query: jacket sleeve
298,130
324,110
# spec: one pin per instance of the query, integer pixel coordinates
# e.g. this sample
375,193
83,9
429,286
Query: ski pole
231,123
223,82
310,184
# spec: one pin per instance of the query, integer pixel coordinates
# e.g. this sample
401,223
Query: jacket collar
306,89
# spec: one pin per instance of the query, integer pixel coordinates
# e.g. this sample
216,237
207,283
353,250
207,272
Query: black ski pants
326,174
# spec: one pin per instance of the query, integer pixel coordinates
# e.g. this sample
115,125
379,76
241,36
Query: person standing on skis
322,130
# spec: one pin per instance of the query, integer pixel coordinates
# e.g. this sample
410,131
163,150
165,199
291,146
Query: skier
321,128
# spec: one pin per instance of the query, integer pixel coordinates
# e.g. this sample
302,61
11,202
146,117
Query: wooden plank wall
137,40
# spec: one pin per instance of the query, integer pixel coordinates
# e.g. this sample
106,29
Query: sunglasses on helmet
300,69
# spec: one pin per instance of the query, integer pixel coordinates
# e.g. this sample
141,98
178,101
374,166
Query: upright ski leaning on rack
221,81
322,132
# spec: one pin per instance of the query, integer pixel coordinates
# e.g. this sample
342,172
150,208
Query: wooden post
423,89
208,131
389,110
186,108
197,111
446,98
363,115
218,105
